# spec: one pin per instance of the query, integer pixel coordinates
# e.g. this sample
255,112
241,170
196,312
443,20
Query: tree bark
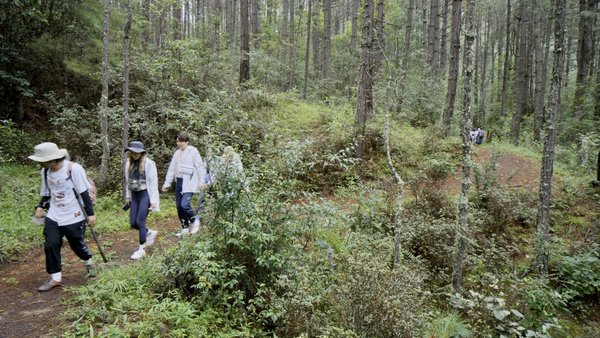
542,55
315,45
147,24
521,78
307,54
292,66
453,72
365,88
326,39
432,33
545,192
405,54
380,37
585,53
284,41
245,43
177,20
443,40
479,120
104,99
505,74
463,204
255,24
125,129
354,10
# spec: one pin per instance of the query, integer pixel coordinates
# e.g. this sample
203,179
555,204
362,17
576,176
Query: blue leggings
140,203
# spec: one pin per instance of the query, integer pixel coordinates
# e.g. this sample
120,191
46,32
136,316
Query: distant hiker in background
62,211
188,172
480,136
141,195
473,135
228,171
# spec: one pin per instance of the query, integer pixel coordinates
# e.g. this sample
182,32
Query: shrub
15,144
579,279
448,326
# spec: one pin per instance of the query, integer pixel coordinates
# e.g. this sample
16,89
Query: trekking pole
91,228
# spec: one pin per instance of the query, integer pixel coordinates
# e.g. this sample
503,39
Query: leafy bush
15,144
448,326
579,279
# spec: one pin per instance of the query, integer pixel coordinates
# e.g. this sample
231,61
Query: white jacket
188,165
151,182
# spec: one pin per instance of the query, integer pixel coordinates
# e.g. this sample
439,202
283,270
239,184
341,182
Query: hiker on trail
473,135
141,195
480,135
229,171
188,172
64,217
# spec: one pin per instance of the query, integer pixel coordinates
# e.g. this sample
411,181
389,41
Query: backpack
92,190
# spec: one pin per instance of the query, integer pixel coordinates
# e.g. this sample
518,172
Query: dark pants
53,240
140,203
183,203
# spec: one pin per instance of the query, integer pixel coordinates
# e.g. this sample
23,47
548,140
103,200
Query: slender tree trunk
284,47
245,43
326,39
541,73
292,67
316,45
125,129
307,55
585,53
177,20
354,9
104,99
432,32
147,24
543,218
379,45
365,88
521,79
503,93
443,40
463,204
256,29
453,72
479,120
405,54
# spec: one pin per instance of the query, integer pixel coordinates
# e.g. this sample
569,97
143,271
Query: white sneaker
138,254
183,232
195,227
150,237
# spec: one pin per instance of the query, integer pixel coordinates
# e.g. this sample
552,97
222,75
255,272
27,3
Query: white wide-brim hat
47,151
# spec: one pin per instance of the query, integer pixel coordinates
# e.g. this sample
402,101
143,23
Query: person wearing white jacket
141,195
188,171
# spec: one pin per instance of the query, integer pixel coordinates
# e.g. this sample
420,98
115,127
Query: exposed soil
25,312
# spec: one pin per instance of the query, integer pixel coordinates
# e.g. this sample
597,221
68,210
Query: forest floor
25,312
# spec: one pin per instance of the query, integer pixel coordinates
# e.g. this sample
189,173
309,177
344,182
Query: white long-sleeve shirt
151,182
186,164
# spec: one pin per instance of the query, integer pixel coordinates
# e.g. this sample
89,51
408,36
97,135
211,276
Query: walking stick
91,228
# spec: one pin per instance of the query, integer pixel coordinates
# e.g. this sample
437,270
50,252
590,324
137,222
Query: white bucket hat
47,151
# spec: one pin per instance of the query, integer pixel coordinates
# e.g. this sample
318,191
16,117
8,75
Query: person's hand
165,188
40,213
152,206
91,220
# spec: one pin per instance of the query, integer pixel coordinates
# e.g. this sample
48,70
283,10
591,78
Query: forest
365,208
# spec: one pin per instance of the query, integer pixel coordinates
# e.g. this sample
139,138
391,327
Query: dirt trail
25,312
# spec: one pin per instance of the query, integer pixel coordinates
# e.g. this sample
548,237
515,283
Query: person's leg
133,210
186,206
178,200
52,245
142,214
75,235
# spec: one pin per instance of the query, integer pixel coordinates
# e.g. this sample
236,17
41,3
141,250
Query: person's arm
126,176
170,172
81,184
199,166
152,183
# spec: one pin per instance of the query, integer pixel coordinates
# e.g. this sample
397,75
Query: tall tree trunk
479,119
585,53
432,33
255,24
425,27
543,218
405,54
463,204
521,80
284,41
505,74
443,40
104,99
354,9
147,24
453,72
292,66
125,129
177,20
326,39
316,46
365,88
307,54
541,59
379,45
245,43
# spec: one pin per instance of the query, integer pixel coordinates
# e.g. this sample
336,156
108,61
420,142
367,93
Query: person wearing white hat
141,180
62,211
